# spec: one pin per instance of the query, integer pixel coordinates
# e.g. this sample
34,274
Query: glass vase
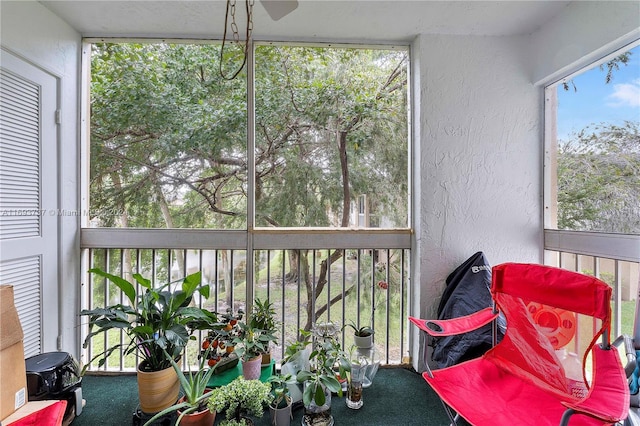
354,386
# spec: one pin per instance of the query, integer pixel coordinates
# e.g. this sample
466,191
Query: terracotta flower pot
266,358
205,417
200,418
251,369
157,390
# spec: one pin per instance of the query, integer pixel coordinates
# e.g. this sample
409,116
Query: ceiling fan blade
279,8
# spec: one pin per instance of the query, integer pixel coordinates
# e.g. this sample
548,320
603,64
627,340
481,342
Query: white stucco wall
34,33
480,157
479,153
583,33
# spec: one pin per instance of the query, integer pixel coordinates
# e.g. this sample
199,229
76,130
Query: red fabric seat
521,381
51,415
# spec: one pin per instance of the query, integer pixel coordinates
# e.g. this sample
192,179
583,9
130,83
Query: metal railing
367,276
306,282
614,258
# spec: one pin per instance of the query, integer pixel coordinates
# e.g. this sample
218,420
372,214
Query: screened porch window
593,147
592,176
170,142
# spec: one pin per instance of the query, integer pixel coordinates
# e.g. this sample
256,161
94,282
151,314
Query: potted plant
192,407
263,318
296,359
362,336
239,399
218,346
321,380
280,405
250,344
155,321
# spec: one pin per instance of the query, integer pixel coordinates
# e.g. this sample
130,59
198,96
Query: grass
628,315
290,301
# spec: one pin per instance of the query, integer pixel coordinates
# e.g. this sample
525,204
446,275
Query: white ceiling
346,20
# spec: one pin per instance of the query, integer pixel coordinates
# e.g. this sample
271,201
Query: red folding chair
522,380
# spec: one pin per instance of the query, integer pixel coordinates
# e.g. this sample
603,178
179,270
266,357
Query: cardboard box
13,375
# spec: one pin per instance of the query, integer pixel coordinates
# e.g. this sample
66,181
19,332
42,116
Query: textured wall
479,129
481,153
37,35
479,157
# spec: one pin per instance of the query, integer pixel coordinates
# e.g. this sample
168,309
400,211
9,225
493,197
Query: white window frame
253,238
614,246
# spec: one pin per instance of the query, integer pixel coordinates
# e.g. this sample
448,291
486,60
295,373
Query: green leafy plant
251,342
362,331
326,357
263,318
294,350
240,398
280,390
194,386
296,356
155,320
263,315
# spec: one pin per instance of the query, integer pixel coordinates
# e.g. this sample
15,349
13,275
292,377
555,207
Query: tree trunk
168,220
346,192
124,222
293,274
312,295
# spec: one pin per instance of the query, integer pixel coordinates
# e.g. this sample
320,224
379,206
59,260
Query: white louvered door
28,198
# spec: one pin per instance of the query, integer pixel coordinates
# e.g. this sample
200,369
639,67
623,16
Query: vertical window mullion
251,174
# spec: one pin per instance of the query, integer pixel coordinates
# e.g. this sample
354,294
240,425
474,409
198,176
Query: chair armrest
630,353
608,397
459,325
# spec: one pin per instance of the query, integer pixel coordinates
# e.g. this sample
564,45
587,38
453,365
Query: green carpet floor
397,397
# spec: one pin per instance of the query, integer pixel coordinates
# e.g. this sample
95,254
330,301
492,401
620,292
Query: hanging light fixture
279,8
276,10
231,13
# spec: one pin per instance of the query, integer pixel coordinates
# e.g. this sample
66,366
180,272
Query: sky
595,101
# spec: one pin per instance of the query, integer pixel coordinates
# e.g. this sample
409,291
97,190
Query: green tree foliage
168,136
331,124
610,66
599,179
338,118
168,140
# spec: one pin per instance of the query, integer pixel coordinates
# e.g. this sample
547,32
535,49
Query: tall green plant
194,386
155,320
324,359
